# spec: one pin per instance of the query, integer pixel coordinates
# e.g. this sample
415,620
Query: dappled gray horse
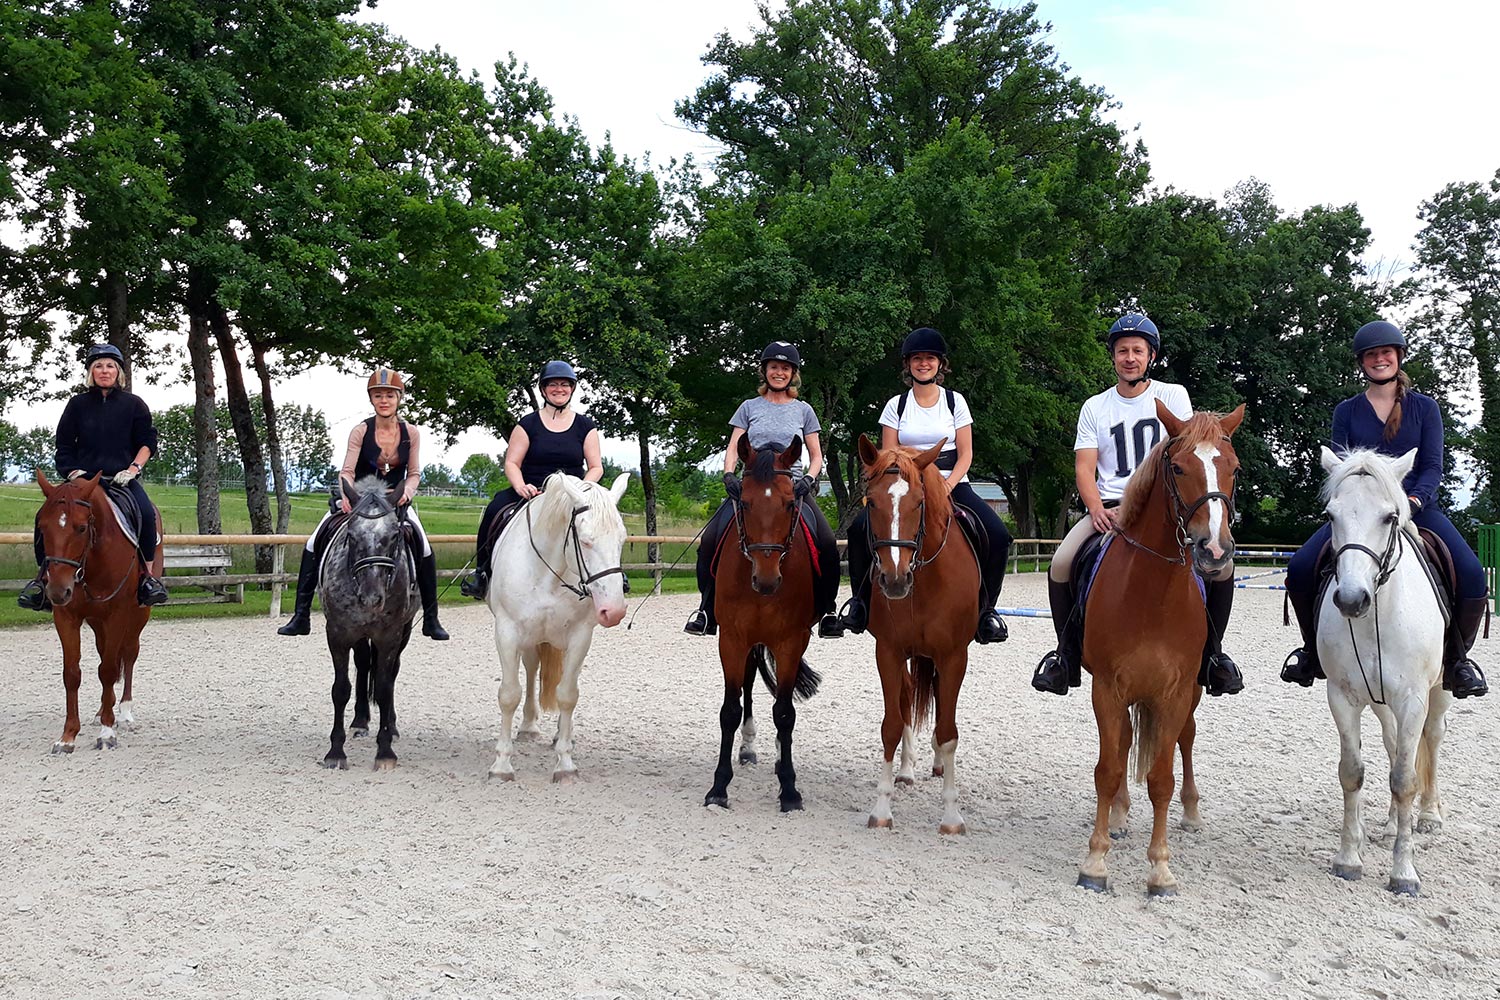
369,594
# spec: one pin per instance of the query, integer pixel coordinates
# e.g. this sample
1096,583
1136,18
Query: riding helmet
924,340
98,351
1135,325
1379,333
386,378
557,369
780,350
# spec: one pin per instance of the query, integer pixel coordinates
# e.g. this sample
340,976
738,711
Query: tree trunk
273,438
1487,432
648,486
117,318
256,498
205,431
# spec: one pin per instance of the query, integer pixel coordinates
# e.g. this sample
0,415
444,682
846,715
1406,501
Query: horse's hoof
1191,825
1349,873
1093,883
1161,891
385,763
876,823
722,801
61,747
528,735
1429,825
953,828
907,780
1119,832
503,775
564,777
107,743
336,763
748,757
1406,886
937,772
792,804
360,731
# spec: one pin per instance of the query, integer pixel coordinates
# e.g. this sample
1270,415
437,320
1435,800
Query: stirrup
1221,676
854,616
699,624
1301,667
150,592
830,626
475,585
1051,675
1465,680
33,597
991,628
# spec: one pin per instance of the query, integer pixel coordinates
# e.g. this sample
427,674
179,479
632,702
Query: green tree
36,449
482,474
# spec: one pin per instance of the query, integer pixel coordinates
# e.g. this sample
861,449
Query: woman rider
107,430
1393,420
774,416
920,419
552,439
386,447
1116,431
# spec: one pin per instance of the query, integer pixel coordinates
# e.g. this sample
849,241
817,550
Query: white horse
1380,640
555,575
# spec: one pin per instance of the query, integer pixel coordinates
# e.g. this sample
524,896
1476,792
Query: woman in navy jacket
1393,420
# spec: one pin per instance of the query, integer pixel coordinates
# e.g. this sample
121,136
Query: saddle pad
125,519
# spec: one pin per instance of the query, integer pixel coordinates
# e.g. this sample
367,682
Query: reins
80,576
1385,565
584,577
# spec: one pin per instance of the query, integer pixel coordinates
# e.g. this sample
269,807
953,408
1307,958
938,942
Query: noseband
585,578
780,548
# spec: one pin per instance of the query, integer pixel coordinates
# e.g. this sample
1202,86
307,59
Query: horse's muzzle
895,588
1353,604
765,586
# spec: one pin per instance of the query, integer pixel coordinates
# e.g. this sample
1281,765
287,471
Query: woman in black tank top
552,439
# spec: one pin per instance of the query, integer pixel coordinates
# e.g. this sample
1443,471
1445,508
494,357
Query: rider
1393,420
106,429
774,416
1116,431
552,439
387,447
920,419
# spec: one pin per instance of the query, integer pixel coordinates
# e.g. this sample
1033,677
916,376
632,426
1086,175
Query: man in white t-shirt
1116,431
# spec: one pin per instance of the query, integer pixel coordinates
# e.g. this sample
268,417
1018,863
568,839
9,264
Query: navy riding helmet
98,351
557,369
924,340
780,350
1135,325
1379,333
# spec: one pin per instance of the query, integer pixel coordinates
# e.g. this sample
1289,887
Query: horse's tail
552,669
807,681
1143,721
924,672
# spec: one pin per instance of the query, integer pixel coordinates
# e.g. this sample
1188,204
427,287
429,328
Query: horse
1145,624
368,586
92,570
556,574
923,613
765,607
1396,669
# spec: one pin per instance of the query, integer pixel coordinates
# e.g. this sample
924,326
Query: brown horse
91,570
765,608
1145,624
923,614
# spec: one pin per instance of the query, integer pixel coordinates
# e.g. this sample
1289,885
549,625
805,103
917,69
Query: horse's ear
46,485
1230,422
1329,459
1173,423
617,488
929,456
1402,466
868,453
744,451
788,458
348,491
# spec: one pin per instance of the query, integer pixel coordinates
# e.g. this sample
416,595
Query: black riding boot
992,627
1302,666
33,596
702,621
427,584
1462,675
477,583
1063,667
307,586
150,591
1219,674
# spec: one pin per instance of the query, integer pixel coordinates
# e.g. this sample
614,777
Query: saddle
502,520
127,512
979,547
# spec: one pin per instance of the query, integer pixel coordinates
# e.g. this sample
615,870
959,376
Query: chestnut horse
923,614
91,570
1145,625
765,607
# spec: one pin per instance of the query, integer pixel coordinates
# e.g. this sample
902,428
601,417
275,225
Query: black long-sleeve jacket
99,433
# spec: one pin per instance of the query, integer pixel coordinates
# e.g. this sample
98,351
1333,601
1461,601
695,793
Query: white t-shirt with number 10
1125,430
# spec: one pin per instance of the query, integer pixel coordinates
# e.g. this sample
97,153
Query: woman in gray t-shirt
774,416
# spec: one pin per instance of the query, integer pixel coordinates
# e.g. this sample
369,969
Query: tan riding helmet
386,378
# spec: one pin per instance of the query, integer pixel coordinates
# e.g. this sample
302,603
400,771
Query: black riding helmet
780,350
924,340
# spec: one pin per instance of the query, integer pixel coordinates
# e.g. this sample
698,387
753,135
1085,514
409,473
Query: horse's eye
1176,469
1392,518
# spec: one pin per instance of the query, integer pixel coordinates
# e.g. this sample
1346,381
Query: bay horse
368,586
766,608
1381,645
923,614
1145,624
92,569
555,575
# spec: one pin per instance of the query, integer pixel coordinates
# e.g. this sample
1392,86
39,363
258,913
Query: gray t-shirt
765,422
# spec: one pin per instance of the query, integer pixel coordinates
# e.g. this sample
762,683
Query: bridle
1181,510
915,542
780,548
380,510
1385,564
585,578
81,565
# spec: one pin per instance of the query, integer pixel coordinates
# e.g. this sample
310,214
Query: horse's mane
1200,428
554,507
939,504
370,484
1369,462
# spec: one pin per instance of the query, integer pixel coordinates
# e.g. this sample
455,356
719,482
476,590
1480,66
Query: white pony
1380,641
555,575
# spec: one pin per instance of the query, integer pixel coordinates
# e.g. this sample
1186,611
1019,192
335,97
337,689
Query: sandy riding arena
211,856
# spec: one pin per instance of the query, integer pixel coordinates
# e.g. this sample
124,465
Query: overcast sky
1327,101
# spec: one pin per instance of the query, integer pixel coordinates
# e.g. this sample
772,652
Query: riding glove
124,476
805,487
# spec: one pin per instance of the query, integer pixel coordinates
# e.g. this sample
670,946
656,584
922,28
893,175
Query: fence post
278,565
